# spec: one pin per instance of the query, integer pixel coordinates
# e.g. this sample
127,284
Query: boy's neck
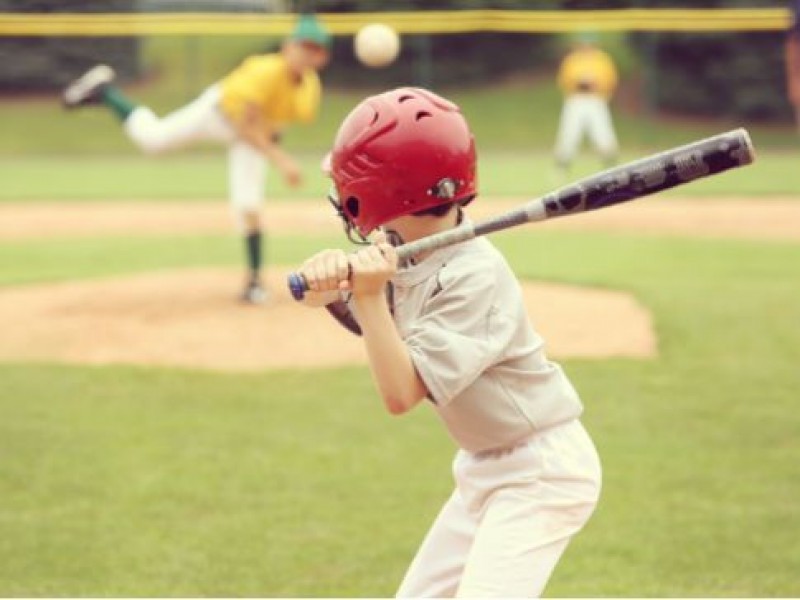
413,228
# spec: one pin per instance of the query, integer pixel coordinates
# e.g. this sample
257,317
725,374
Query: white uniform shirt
461,314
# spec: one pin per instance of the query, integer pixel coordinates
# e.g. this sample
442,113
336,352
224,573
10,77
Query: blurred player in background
247,111
793,62
450,330
587,78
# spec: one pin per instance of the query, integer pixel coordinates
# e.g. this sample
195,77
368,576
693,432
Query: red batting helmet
401,152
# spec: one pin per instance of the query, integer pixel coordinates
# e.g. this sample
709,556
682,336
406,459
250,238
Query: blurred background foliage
737,74
47,63
674,88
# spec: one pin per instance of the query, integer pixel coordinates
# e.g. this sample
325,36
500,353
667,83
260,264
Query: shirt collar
414,274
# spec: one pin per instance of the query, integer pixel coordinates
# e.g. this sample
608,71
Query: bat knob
297,285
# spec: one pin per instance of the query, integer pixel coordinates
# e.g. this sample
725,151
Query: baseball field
159,439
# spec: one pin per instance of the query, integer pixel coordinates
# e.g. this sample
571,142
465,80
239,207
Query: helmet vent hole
422,114
405,97
351,204
374,118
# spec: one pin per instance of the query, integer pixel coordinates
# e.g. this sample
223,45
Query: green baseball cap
309,29
586,37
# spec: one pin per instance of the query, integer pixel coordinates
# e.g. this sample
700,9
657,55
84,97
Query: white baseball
376,45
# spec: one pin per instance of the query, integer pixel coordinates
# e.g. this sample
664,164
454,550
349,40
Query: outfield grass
65,259
203,176
124,481
520,115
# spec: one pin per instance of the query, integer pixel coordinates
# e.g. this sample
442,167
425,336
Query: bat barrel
653,174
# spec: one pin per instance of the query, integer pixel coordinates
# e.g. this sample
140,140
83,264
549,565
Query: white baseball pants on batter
201,121
509,519
589,114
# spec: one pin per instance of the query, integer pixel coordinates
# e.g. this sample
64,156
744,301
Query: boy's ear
325,164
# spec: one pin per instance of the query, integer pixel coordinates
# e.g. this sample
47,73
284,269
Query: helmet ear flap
344,213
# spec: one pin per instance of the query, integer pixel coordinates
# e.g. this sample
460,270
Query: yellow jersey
266,82
587,70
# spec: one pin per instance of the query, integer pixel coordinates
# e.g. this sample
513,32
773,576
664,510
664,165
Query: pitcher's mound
190,318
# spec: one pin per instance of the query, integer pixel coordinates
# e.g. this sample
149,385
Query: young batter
247,111
452,329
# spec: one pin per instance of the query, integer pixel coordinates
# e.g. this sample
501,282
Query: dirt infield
188,318
773,218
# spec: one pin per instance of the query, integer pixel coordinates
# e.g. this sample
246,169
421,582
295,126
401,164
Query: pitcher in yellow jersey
247,111
587,78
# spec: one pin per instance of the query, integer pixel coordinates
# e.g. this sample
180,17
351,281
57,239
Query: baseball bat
619,184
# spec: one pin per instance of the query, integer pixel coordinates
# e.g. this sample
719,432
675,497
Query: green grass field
124,481
203,176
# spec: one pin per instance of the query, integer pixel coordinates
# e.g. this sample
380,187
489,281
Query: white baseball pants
584,114
509,519
201,121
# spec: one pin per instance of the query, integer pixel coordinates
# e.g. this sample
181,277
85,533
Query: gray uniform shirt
462,316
